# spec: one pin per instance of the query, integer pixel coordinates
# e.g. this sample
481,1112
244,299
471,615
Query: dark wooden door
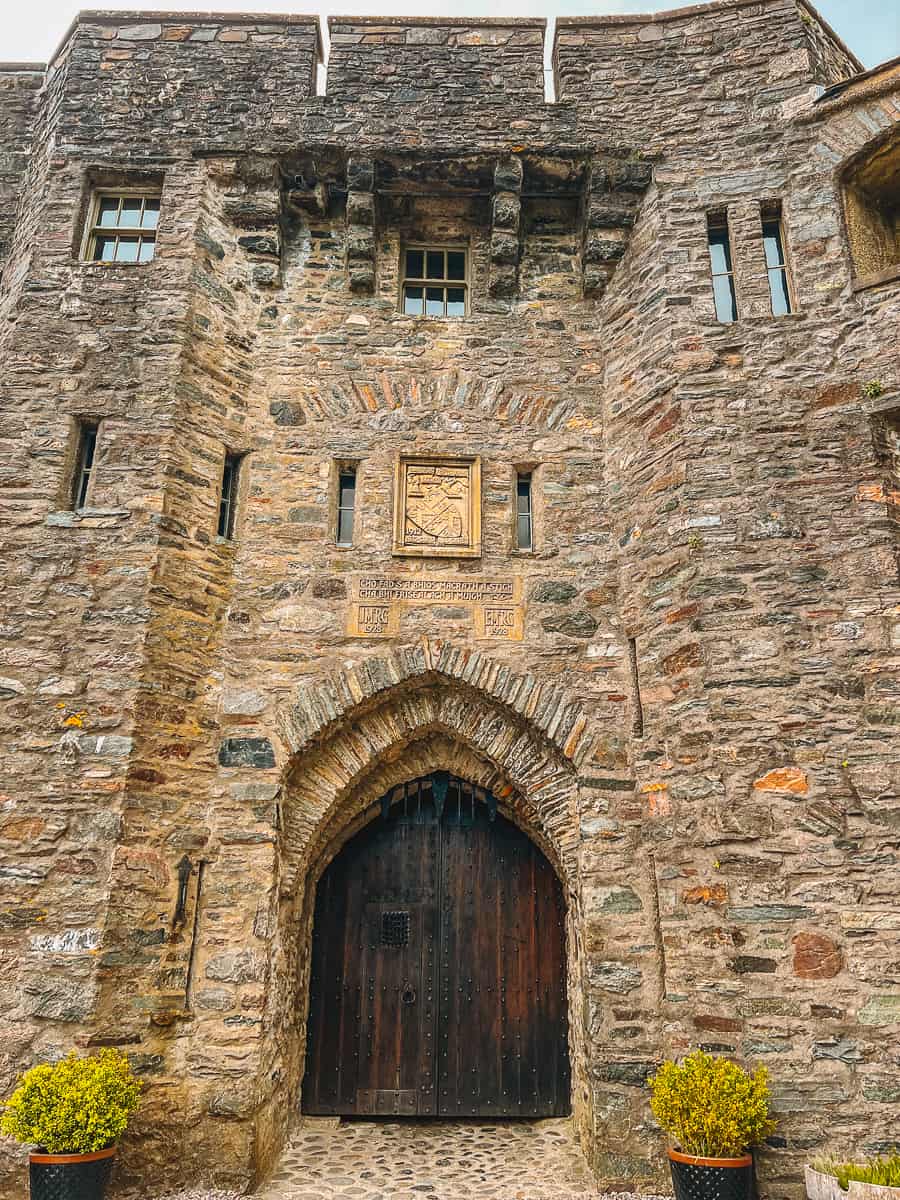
438,966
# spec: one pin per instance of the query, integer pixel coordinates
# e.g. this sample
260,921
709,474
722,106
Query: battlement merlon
172,84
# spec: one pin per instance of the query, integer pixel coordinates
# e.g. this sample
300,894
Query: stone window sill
91,265
92,518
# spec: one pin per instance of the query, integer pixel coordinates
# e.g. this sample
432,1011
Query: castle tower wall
683,689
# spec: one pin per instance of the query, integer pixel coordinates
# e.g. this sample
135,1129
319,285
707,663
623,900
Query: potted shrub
72,1112
871,1179
714,1111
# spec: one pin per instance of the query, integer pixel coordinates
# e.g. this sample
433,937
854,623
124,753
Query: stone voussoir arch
549,710
361,729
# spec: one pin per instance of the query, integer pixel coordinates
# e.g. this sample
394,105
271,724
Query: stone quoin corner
450,532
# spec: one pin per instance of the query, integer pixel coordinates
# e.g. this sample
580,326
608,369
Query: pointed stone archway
353,737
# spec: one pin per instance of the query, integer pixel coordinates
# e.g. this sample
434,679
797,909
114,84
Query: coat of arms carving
438,507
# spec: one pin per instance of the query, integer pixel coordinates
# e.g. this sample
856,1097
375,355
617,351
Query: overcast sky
31,29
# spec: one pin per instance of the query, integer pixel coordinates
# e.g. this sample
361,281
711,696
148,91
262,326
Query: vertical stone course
20,84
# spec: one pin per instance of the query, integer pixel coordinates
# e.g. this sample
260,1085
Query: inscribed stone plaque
500,621
377,602
373,620
437,507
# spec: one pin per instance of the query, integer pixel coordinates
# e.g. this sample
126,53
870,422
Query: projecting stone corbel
361,225
253,203
613,193
506,213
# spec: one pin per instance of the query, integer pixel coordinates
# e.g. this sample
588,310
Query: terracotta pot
70,1176
697,1178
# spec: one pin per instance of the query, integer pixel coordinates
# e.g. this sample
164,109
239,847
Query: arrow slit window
721,267
776,262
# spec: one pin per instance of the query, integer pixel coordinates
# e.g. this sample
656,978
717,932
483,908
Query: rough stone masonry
684,687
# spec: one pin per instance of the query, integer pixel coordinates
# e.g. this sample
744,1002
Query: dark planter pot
696,1178
70,1176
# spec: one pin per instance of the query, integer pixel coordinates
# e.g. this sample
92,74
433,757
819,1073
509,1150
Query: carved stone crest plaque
437,507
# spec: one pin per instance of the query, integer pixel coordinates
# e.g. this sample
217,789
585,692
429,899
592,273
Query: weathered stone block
816,956
246,752
237,966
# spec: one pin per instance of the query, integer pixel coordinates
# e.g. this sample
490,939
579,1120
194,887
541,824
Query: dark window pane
523,512
412,301
104,249
346,505
107,214
148,248
348,489
228,495
726,308
781,297
345,527
434,302
415,264
719,250
772,242
85,463
523,494
130,214
151,213
456,302
435,264
456,264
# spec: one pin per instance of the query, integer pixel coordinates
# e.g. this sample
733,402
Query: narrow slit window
346,505
123,227
84,465
722,268
434,282
776,264
228,496
524,515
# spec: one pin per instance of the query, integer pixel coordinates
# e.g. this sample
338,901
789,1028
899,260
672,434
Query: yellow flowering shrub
75,1106
710,1106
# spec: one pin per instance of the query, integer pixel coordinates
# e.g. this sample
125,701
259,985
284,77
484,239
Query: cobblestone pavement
362,1160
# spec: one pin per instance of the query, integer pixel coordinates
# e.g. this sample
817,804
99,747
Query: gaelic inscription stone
377,603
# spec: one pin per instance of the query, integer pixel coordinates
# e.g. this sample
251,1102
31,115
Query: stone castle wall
698,721
19,84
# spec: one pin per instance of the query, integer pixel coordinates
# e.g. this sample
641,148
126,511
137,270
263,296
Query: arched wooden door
438,966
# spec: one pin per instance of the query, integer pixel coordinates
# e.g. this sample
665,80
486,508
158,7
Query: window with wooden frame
228,495
122,226
434,281
346,505
776,260
84,461
524,539
721,267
